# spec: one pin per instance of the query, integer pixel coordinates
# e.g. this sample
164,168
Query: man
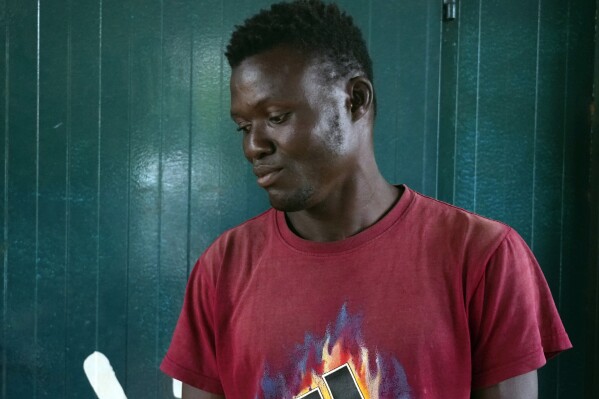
350,287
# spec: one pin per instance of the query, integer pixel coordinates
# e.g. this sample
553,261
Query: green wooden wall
593,282
120,164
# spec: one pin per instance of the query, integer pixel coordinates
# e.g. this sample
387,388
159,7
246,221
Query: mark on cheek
336,133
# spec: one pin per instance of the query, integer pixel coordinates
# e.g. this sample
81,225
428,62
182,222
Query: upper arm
524,386
190,392
513,321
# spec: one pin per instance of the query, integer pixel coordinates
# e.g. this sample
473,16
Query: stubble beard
296,201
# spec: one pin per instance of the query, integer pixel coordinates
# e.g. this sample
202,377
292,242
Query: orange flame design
376,375
368,381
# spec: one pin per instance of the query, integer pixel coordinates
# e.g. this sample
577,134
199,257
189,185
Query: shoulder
462,242
242,243
459,227
252,230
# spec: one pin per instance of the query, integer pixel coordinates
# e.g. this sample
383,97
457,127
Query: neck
353,208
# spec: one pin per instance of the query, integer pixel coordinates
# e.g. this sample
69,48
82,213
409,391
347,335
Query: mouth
266,175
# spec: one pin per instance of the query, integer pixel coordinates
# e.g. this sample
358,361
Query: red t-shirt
429,302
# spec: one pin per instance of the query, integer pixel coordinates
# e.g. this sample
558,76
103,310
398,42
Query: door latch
450,9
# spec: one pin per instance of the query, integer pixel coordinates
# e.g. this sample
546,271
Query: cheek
296,139
307,146
314,136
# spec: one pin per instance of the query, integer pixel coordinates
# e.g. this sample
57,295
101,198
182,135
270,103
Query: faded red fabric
429,302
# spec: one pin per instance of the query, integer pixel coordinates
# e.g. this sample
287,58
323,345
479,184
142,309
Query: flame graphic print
375,375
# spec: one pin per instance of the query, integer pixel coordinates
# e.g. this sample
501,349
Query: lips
266,174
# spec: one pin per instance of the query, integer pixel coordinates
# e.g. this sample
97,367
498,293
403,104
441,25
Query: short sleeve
191,357
514,324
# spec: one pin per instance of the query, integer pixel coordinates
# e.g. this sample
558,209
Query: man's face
295,127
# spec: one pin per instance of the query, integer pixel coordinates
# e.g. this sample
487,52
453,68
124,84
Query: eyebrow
256,104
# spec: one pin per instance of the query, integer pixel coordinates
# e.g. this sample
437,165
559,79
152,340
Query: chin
291,202
286,206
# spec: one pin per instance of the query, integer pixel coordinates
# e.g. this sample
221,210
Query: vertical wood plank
592,364
448,108
206,72
548,146
145,174
466,139
51,298
547,185
386,62
4,92
114,187
415,143
408,82
432,66
20,278
82,273
507,75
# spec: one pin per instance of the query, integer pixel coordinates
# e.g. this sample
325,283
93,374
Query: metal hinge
450,9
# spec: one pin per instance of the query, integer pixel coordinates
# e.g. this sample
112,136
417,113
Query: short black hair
319,29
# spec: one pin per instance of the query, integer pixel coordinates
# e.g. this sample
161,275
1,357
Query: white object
101,376
177,388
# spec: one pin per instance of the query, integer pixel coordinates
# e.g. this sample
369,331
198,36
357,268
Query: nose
257,143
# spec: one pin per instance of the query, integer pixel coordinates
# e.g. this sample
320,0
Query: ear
361,95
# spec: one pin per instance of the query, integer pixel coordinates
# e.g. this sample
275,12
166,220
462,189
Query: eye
278,119
244,128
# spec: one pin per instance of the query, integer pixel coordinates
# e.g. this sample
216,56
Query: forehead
281,74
